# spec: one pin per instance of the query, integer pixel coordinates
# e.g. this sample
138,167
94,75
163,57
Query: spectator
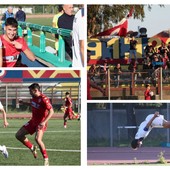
55,24
148,93
6,15
12,45
103,70
117,72
133,68
132,49
163,48
66,21
20,15
78,39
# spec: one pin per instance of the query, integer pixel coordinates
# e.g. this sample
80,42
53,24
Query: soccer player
68,109
12,45
42,111
151,121
3,147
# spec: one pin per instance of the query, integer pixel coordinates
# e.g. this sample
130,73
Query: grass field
63,145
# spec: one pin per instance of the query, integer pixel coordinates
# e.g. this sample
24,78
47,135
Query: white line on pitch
53,150
62,131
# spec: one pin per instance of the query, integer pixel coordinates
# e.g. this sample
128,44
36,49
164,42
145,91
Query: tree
102,17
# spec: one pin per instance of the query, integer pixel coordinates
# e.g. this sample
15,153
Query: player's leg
4,151
65,120
21,136
38,139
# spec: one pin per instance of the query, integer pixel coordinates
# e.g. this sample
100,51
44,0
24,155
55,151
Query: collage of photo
84,85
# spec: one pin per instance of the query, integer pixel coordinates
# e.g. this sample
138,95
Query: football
151,93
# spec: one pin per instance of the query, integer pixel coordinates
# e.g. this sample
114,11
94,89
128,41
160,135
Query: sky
155,20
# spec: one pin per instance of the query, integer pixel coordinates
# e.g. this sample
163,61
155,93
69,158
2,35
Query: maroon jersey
68,102
40,108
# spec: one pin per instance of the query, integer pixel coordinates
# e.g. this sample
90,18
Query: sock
65,122
28,144
44,153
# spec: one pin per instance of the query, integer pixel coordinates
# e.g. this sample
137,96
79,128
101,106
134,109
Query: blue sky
155,20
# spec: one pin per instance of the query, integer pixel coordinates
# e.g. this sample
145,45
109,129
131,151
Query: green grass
60,139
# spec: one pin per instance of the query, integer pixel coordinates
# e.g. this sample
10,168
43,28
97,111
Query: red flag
130,12
119,30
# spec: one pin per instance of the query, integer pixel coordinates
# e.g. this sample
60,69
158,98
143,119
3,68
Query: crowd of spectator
148,70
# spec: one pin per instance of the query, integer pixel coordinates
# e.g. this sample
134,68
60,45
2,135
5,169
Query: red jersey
40,108
68,102
147,95
10,53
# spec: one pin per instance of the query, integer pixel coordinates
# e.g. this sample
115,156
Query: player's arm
4,117
81,42
50,113
29,54
151,120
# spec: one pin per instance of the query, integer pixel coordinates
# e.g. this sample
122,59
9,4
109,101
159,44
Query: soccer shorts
33,127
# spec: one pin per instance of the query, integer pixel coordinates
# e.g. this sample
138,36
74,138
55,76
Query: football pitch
63,145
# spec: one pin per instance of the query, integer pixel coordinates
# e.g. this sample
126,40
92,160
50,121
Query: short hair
67,93
60,8
20,7
34,86
12,22
147,85
134,143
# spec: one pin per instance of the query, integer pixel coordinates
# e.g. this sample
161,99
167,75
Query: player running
42,111
68,111
3,147
151,121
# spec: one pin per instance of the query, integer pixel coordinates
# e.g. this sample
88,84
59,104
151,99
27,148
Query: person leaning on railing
12,45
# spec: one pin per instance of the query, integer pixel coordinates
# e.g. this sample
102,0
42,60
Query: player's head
148,86
136,143
34,89
11,26
67,94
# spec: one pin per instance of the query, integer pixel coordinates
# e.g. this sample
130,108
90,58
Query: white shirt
1,106
157,122
78,34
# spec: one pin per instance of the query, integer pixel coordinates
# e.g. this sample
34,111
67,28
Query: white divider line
62,131
53,150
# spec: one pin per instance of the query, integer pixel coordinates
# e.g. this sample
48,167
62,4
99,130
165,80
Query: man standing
12,45
132,50
3,147
151,121
78,39
65,21
42,111
6,15
20,15
55,24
